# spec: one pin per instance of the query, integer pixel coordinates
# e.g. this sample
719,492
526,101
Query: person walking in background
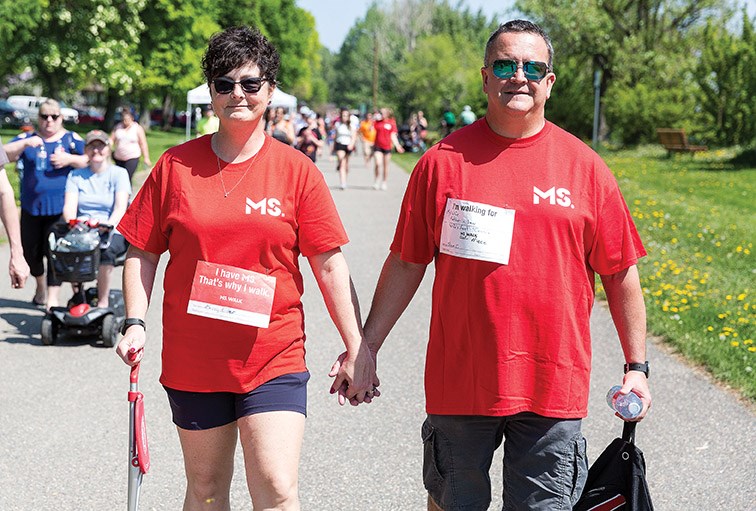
467,116
281,128
385,140
309,139
18,269
367,136
44,159
518,216
209,123
239,208
99,192
422,130
343,144
130,143
448,122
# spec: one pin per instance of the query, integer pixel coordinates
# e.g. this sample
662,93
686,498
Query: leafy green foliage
726,76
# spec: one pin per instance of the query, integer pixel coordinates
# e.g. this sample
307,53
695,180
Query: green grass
696,216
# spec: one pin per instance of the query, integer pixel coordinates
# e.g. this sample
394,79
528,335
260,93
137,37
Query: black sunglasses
47,117
507,68
225,85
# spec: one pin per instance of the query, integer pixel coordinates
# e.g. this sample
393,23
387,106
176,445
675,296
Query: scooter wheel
48,331
109,331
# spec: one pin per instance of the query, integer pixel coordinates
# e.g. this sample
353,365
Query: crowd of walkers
341,134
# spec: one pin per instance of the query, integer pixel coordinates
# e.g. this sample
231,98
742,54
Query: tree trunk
144,112
113,99
167,112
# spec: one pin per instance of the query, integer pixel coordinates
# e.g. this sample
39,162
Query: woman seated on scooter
99,192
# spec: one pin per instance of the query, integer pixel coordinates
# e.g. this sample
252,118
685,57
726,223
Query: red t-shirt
279,209
383,131
510,338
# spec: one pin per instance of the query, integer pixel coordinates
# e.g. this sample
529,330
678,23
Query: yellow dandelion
734,344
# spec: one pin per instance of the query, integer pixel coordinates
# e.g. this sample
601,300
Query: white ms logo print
265,206
558,196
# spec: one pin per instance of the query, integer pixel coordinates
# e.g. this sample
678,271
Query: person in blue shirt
45,158
99,192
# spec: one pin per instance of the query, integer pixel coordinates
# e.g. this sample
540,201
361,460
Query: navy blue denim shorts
205,410
545,465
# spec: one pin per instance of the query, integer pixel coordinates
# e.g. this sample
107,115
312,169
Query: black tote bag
617,479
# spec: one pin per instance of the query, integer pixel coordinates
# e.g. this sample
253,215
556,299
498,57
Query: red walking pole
139,455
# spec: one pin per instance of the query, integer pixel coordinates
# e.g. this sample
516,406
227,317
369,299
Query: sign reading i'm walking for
474,230
232,294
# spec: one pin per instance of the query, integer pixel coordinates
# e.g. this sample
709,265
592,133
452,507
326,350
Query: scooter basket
76,266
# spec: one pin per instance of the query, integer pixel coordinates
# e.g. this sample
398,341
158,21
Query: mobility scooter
75,258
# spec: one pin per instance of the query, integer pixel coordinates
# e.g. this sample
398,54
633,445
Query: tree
18,29
726,76
93,42
171,47
633,43
432,77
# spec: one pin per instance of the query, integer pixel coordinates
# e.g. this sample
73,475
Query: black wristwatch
637,366
131,322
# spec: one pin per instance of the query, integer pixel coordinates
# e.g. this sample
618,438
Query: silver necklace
226,193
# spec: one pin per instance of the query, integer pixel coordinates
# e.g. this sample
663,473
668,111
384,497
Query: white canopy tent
201,96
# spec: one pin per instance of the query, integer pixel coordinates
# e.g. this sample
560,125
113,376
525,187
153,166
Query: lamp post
375,70
596,106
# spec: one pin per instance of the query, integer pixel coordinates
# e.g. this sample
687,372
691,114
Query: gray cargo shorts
545,465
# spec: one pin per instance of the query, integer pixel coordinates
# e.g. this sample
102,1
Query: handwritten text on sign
232,294
473,230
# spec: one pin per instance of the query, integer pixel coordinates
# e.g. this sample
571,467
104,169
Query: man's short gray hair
520,26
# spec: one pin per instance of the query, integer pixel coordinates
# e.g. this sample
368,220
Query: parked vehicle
11,116
90,116
31,104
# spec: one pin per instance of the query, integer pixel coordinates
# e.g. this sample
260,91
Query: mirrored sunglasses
507,68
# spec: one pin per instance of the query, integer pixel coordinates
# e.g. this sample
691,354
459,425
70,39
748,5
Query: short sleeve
122,183
3,155
319,225
616,244
414,238
142,223
72,185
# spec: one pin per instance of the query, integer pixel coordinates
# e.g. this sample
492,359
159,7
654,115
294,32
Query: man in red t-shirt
518,216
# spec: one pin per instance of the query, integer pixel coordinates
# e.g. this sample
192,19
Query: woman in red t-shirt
385,139
233,340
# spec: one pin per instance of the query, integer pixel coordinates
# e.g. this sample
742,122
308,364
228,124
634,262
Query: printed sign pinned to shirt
232,294
473,230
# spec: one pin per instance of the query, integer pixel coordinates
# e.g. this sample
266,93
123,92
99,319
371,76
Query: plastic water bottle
628,406
41,162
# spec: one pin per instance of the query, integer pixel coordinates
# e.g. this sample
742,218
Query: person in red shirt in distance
517,216
235,209
385,140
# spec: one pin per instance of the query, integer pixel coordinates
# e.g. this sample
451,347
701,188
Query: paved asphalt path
64,414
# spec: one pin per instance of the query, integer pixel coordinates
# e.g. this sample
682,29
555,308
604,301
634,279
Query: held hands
355,378
131,347
637,382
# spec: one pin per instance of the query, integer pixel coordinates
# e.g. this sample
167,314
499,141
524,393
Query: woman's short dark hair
236,47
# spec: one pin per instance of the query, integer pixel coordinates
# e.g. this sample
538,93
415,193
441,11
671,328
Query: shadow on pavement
26,319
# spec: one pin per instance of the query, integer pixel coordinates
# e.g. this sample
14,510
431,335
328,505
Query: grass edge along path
696,216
